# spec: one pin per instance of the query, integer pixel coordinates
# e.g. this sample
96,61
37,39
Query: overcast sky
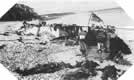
56,6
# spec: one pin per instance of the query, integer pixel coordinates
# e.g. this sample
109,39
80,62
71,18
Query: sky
57,6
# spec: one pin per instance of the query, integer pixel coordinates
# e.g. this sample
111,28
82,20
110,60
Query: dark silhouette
20,12
90,38
45,68
2,46
20,40
118,47
87,67
110,72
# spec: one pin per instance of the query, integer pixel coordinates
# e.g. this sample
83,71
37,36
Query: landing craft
102,38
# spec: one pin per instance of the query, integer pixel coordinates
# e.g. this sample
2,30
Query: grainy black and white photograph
66,40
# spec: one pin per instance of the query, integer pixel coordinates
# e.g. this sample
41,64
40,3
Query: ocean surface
115,16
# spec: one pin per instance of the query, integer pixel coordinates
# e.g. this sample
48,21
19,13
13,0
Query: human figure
83,45
117,47
101,38
24,25
88,41
38,30
22,29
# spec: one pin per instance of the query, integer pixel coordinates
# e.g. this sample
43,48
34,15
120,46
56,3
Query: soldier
83,45
87,41
38,31
101,39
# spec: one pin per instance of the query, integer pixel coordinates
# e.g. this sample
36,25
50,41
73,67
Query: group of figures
26,26
105,39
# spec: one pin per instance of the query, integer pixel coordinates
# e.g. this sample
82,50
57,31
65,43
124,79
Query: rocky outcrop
20,12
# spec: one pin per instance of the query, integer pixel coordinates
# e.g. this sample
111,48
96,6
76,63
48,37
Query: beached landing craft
97,40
